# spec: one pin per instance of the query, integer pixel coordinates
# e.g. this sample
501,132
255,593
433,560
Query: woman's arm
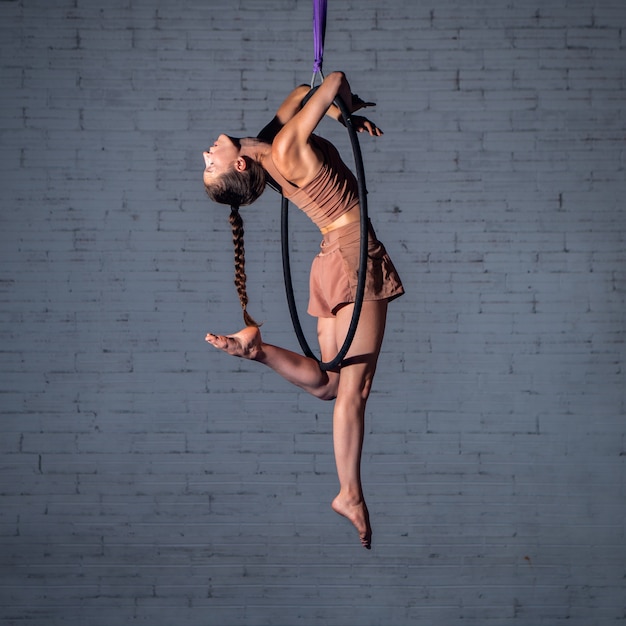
292,152
290,106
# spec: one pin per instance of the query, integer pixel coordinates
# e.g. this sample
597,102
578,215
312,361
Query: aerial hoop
319,32
358,303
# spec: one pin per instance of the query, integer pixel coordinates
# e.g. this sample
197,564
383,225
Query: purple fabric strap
319,32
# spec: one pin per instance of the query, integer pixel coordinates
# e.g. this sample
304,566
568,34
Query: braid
236,223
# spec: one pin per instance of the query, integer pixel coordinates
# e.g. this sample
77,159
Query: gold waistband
351,216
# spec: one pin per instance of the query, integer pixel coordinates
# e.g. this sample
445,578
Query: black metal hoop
358,303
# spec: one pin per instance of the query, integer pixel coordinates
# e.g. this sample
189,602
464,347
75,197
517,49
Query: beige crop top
332,192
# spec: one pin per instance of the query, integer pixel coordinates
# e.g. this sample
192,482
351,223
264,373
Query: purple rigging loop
319,32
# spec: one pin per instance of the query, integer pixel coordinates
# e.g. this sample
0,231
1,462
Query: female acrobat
311,174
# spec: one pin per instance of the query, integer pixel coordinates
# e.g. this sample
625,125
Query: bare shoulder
296,161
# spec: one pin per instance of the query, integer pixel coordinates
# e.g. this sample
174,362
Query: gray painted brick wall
149,480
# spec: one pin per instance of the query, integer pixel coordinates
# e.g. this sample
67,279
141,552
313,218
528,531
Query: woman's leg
357,374
350,386
295,368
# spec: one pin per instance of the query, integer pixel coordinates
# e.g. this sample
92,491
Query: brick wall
149,480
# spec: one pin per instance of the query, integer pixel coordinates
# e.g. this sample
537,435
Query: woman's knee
326,394
354,388
327,391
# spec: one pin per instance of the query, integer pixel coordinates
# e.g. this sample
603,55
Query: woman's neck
254,148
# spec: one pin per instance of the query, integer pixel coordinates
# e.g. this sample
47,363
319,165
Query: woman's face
219,157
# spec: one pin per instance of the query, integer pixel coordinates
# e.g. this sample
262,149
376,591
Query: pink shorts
333,280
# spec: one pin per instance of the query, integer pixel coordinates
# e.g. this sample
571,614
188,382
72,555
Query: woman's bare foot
246,343
355,512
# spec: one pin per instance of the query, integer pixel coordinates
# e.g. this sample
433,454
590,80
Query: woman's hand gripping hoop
358,303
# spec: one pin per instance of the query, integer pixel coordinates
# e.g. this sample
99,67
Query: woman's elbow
337,78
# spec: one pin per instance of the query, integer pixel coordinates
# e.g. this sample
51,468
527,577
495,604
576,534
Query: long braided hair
236,223
238,189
